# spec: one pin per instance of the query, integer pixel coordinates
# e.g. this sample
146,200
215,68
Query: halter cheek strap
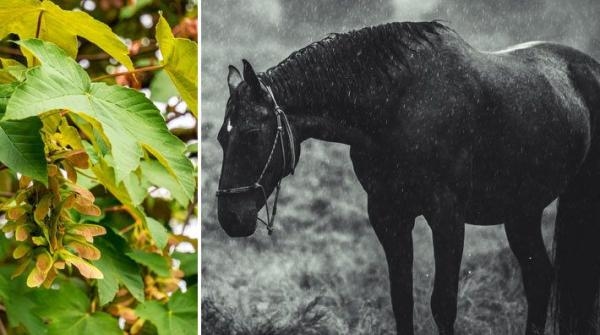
283,125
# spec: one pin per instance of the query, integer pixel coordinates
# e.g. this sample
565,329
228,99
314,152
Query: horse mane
344,64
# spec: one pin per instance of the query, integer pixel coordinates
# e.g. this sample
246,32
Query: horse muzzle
240,222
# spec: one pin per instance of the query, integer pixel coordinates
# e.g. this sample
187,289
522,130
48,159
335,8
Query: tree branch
139,70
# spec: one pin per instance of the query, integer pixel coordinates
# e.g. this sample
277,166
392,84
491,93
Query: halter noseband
283,125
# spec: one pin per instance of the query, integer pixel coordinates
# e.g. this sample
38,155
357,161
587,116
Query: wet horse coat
440,129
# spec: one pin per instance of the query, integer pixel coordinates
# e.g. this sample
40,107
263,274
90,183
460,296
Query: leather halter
283,125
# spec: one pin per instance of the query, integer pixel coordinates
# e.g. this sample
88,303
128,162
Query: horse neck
327,112
353,104
327,121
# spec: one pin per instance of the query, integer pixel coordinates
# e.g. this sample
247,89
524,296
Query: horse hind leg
525,239
577,254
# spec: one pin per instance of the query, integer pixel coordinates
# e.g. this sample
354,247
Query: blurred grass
323,271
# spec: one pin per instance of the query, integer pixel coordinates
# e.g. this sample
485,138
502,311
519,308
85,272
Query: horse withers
440,129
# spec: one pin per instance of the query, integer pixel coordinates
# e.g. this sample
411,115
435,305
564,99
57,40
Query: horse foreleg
448,242
525,239
395,235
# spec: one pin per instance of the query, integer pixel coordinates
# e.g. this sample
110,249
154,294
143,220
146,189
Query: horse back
536,124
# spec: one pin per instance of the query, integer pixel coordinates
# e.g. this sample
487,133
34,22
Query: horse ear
234,78
251,78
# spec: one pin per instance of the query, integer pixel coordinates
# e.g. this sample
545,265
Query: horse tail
577,256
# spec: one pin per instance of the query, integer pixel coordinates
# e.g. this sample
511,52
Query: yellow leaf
15,213
70,136
84,206
21,268
88,231
39,240
24,181
86,269
21,250
85,250
71,172
180,60
78,158
43,208
21,233
50,278
39,273
60,27
82,192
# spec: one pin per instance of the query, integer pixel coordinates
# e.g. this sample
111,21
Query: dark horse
437,128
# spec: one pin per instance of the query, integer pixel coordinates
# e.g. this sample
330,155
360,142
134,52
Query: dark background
323,272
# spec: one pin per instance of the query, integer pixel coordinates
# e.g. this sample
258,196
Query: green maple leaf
21,142
155,262
117,269
178,316
60,27
180,61
131,124
158,231
67,310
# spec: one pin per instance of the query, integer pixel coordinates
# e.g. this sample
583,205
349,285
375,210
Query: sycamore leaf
162,88
11,71
6,91
86,269
180,60
60,27
188,262
21,142
178,316
23,148
155,262
157,175
87,231
130,122
67,310
39,273
159,233
117,269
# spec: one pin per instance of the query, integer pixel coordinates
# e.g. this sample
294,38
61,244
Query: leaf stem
139,70
39,24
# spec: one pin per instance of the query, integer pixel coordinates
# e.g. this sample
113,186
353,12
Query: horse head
258,151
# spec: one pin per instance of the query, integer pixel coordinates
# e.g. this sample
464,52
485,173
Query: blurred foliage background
323,271
134,21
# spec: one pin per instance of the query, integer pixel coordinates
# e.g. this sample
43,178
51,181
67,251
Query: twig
185,134
141,69
190,212
10,51
104,55
2,328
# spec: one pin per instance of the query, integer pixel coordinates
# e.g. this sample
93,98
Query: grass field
323,271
